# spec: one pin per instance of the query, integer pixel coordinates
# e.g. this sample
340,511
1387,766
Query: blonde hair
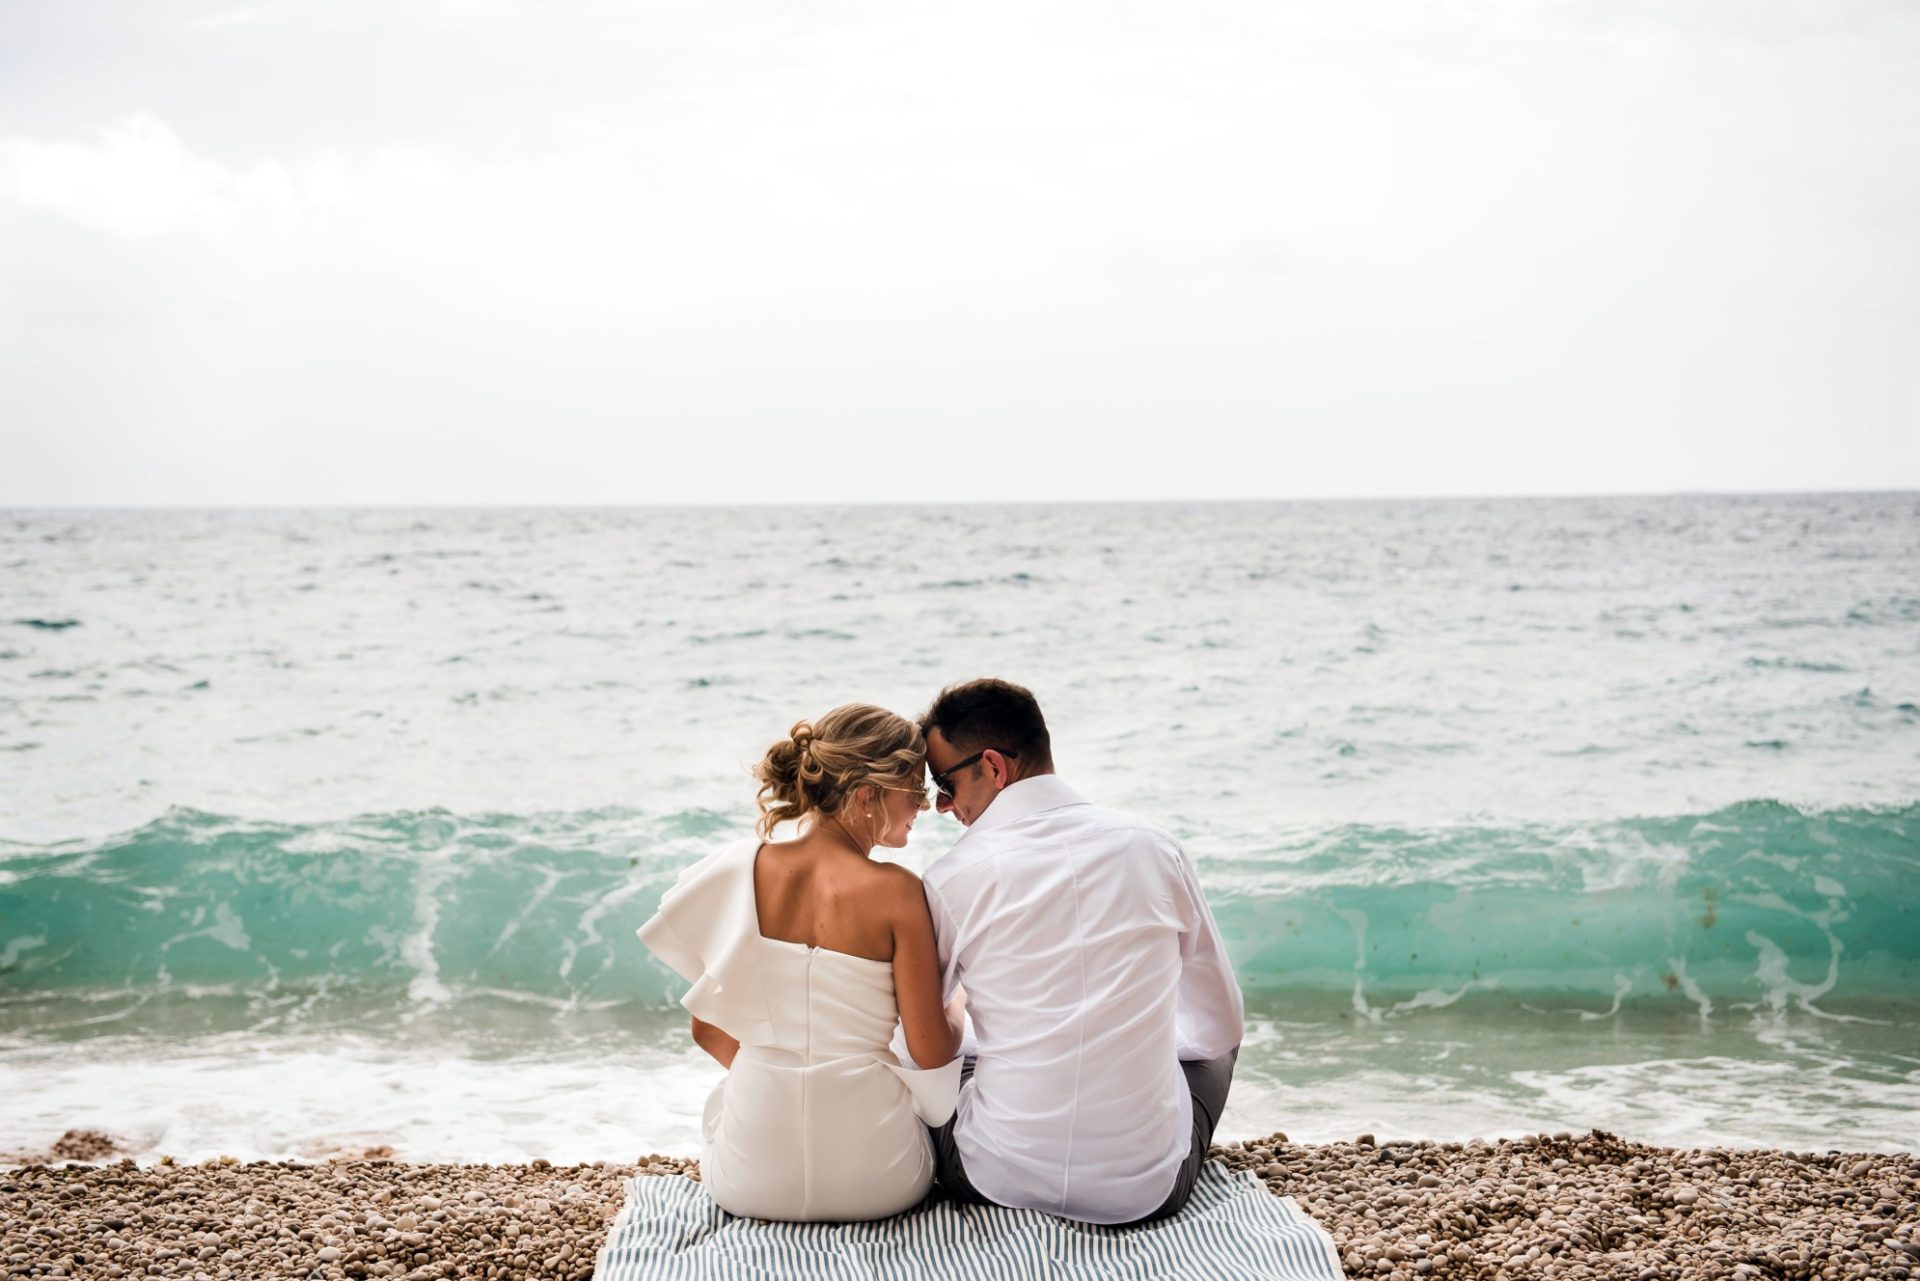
821,763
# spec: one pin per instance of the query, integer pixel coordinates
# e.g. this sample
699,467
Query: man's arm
1210,1017
951,991
945,944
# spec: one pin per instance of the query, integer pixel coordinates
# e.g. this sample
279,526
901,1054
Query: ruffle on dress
708,931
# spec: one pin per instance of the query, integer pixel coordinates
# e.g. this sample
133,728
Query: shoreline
1566,1206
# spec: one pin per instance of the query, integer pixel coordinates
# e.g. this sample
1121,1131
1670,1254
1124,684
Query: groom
1106,1013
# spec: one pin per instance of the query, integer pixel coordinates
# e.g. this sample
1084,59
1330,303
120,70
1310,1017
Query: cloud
139,179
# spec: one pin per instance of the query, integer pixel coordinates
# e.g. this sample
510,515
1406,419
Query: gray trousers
1207,1083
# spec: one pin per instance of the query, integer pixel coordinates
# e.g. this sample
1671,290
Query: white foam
1357,920
309,1102
1439,998
1726,1101
19,944
1780,987
1691,986
425,988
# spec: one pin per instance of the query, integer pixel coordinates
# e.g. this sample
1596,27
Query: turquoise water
1514,814
1758,905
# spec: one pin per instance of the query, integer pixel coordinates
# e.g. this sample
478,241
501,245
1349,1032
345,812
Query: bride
804,955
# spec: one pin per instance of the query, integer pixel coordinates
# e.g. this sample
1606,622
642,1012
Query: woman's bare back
820,894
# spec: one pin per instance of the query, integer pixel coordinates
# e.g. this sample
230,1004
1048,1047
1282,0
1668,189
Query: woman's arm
932,1035
715,1042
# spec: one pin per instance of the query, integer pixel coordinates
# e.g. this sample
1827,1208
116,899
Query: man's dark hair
989,713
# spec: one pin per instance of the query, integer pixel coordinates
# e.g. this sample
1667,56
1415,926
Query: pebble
1581,1208
1595,1207
277,1221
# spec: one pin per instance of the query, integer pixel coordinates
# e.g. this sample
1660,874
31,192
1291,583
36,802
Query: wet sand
1570,1207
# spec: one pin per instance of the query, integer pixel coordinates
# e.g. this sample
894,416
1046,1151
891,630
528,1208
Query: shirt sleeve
1210,1018
944,941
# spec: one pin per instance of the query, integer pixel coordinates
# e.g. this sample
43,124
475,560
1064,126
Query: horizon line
777,504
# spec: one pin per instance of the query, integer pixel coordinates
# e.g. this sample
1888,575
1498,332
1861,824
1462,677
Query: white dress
817,1118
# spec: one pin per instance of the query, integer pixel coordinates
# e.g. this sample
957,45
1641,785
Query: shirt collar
1023,799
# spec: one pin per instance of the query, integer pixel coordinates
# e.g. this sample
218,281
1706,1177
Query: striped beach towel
670,1230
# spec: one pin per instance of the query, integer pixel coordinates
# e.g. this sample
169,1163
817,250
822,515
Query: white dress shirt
1092,966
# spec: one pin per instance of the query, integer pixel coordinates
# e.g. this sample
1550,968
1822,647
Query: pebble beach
1589,1206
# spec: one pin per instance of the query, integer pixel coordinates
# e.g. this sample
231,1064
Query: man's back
1092,967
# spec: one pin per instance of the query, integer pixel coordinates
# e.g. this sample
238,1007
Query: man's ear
1002,771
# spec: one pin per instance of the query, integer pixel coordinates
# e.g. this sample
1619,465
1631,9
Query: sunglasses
919,794
943,779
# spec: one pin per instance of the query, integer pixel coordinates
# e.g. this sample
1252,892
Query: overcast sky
479,251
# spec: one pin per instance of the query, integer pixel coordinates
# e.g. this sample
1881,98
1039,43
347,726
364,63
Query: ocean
327,831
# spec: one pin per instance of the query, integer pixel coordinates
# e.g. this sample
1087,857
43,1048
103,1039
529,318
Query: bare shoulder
895,879
898,887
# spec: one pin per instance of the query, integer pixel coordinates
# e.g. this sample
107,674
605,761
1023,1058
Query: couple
1105,1016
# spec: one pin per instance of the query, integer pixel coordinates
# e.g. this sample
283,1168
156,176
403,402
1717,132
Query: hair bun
820,763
